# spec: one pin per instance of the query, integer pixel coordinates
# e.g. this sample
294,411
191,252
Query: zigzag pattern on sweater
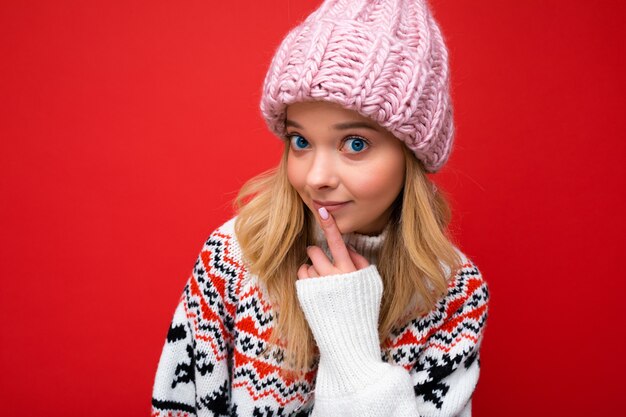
434,346
214,365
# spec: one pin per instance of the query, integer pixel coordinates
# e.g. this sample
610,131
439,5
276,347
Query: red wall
126,128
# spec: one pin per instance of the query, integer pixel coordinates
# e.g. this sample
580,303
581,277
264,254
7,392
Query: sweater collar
368,246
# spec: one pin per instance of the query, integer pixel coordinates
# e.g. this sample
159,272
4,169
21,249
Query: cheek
294,173
380,183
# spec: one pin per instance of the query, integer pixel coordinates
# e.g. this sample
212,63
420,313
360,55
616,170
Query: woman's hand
346,259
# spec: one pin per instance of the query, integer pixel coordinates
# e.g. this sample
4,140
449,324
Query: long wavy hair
274,227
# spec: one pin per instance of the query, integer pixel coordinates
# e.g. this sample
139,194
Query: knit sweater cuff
342,311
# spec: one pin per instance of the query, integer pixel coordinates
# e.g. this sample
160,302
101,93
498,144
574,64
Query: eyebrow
338,126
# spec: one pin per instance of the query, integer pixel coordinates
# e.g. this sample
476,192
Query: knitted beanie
385,59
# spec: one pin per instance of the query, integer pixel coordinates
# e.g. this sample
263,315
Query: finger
335,243
320,261
312,272
303,271
359,260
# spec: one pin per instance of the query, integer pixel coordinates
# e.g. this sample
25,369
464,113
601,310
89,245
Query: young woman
336,290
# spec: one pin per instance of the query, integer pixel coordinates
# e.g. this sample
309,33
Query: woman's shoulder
221,255
465,282
460,313
225,229
466,300
223,237
467,291
466,270
223,262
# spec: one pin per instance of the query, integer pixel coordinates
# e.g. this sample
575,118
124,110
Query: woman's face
345,162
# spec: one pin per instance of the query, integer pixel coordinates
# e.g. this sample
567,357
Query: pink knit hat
385,59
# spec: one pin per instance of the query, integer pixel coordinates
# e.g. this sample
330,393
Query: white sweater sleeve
353,380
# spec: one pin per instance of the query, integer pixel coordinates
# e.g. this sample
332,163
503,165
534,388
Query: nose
323,172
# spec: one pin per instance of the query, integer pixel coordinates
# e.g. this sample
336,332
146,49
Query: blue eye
356,145
298,142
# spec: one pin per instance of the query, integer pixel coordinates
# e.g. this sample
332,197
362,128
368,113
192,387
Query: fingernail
323,213
351,247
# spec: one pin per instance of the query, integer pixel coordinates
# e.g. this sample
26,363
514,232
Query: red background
126,128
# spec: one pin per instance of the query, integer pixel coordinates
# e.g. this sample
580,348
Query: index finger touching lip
335,242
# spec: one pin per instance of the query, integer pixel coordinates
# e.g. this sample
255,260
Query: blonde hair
274,227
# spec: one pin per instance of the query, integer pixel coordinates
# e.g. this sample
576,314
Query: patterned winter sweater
211,363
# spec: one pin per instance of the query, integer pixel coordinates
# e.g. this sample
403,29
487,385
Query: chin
341,225
343,228
363,229
347,227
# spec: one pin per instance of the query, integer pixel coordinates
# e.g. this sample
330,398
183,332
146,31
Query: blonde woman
336,291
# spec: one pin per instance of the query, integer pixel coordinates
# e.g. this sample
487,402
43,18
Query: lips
330,205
